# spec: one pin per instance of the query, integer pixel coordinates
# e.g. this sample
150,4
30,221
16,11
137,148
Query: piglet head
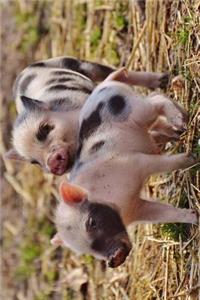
45,134
90,227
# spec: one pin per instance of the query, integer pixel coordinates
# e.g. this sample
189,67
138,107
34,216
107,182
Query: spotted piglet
49,95
116,155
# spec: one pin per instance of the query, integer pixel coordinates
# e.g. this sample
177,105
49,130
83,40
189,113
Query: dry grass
165,261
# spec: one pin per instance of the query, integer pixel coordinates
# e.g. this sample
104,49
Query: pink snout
59,161
119,255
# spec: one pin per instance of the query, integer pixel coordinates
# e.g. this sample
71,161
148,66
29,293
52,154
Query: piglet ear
71,193
119,75
33,104
56,240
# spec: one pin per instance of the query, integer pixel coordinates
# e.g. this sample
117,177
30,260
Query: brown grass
165,261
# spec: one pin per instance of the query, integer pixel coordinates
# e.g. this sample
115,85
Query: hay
165,261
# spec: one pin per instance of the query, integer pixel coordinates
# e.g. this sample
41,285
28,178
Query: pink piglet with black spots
120,133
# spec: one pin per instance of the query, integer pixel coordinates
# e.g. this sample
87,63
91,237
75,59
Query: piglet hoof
194,157
179,131
164,80
159,80
179,120
190,216
178,116
176,133
190,160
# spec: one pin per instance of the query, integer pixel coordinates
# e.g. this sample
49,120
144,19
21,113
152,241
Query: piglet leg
175,114
161,139
147,112
153,163
155,212
163,128
148,79
163,132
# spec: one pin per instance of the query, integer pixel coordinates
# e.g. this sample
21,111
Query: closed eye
43,131
35,162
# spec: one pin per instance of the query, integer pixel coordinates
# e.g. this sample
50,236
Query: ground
164,263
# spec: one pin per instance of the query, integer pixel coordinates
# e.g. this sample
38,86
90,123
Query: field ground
164,264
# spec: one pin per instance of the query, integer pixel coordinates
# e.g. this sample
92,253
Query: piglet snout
58,161
119,254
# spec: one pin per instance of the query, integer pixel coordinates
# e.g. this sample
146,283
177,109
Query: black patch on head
37,64
43,132
103,224
96,146
25,83
106,218
90,124
116,104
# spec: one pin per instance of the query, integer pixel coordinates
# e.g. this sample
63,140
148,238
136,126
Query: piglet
116,154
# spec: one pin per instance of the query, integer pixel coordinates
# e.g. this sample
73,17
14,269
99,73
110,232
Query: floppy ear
72,194
119,75
32,104
13,154
56,240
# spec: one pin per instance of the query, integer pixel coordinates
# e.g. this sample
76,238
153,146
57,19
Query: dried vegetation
165,261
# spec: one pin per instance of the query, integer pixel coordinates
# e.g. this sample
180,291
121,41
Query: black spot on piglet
116,104
90,124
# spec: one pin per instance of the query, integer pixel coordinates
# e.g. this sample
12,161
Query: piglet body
119,154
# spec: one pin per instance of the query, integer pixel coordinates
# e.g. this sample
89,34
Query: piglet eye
91,224
43,131
35,162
